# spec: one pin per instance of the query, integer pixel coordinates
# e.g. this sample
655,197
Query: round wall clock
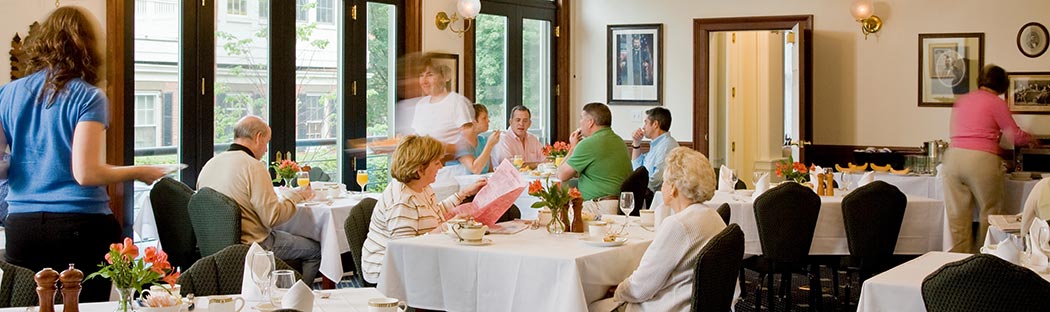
1032,39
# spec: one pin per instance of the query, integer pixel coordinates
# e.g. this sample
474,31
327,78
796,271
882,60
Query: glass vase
287,182
125,297
559,221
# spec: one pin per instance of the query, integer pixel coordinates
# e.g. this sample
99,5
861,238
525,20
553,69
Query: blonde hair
65,47
412,154
691,173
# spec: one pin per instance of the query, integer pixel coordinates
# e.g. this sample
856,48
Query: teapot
469,230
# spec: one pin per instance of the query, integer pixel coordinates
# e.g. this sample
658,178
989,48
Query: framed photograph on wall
1029,93
948,66
1032,39
635,64
451,61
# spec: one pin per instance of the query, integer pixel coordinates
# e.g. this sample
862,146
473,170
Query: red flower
172,278
574,193
535,187
129,250
108,259
150,254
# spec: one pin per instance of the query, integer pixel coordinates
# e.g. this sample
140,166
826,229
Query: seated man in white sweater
238,174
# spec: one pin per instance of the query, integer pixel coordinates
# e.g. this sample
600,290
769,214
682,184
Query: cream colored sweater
247,181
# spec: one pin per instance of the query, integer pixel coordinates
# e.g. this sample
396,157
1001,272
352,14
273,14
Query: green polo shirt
602,162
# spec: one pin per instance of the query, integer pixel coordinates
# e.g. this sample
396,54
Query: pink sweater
978,118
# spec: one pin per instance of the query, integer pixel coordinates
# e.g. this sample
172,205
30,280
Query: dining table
532,270
323,221
338,300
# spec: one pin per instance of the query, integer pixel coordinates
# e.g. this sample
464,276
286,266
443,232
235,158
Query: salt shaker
71,284
46,286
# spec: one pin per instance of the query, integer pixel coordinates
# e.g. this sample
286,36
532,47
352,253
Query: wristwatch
636,146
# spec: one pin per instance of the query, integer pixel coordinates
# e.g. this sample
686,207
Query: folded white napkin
299,297
868,177
1002,245
762,185
1038,235
725,180
249,290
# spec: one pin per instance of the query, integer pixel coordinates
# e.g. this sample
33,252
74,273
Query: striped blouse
401,213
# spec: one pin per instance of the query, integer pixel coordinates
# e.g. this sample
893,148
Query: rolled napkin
249,290
762,185
868,177
299,297
725,179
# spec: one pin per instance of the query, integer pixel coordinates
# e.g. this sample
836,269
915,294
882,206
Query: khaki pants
971,177
608,206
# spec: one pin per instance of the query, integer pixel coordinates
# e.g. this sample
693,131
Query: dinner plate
171,168
482,242
602,243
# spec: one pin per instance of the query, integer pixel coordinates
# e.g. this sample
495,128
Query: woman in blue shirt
54,121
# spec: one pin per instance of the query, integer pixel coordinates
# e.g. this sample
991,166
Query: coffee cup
386,305
225,304
544,217
597,229
469,231
166,289
646,217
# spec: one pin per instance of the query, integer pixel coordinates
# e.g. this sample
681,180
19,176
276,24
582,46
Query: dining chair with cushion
511,214
170,199
216,220
18,287
985,283
638,183
724,212
221,273
872,215
714,279
786,217
318,174
356,227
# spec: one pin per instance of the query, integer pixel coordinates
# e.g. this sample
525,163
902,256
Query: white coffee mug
647,217
386,305
597,229
225,304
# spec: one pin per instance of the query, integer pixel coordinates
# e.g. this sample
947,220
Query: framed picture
1029,93
1032,39
451,61
635,64
948,66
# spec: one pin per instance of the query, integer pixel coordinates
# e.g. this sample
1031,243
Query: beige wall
19,14
865,91
442,41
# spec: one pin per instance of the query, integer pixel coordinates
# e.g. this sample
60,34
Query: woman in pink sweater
972,166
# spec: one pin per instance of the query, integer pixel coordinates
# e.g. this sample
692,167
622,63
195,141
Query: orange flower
535,187
150,254
129,250
172,278
574,193
108,259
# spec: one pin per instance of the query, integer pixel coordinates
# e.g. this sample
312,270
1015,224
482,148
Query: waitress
972,165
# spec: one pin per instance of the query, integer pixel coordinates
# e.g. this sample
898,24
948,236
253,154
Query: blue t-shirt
41,139
464,148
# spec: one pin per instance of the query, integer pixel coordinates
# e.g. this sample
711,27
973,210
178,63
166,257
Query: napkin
868,177
249,290
725,179
299,297
1006,246
1037,243
762,185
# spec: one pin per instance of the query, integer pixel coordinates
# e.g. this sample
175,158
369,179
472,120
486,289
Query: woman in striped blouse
408,207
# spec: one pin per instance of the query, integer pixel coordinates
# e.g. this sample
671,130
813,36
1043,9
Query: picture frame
949,65
452,61
635,64
1029,92
1032,39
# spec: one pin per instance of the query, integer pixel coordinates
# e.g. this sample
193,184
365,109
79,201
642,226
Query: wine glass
755,176
262,267
627,206
362,180
846,178
283,280
303,179
733,177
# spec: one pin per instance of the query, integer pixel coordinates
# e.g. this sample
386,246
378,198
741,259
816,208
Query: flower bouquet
557,199
129,273
286,170
794,171
556,152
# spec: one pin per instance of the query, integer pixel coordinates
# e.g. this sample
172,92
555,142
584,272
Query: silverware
193,303
646,228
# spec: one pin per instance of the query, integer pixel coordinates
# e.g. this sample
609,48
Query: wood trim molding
564,75
413,26
469,57
118,65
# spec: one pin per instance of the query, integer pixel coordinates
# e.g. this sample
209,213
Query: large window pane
380,75
491,67
318,105
536,74
241,72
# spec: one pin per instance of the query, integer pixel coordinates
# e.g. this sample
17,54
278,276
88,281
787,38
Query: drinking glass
362,180
518,161
262,266
733,177
283,280
627,206
755,176
303,179
846,178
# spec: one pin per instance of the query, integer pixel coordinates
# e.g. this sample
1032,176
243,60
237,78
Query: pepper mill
46,286
820,184
71,284
830,181
577,219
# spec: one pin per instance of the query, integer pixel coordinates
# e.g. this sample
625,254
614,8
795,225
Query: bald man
238,174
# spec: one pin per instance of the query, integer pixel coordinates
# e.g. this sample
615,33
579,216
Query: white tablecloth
341,300
324,222
921,231
528,271
900,288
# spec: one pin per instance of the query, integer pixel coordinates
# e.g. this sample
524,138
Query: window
237,7
302,10
146,120
325,12
264,9
381,87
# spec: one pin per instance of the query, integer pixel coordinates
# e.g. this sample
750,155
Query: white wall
442,41
19,14
865,91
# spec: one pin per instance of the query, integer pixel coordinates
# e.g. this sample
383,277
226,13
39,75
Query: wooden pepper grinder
71,284
46,287
819,183
829,180
577,218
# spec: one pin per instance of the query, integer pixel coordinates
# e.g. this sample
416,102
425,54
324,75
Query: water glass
627,206
755,176
733,177
283,280
262,266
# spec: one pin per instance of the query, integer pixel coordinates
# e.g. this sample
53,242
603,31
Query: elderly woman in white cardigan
664,278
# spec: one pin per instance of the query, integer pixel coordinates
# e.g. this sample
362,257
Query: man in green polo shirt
601,159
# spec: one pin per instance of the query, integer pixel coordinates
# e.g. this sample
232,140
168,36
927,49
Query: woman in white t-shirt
442,115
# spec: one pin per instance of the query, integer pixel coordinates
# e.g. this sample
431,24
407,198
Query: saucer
482,242
265,307
601,242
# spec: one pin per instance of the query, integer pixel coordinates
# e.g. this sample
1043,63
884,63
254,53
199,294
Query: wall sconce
864,12
466,9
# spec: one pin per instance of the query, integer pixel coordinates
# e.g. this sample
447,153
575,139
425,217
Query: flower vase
125,297
559,221
287,182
